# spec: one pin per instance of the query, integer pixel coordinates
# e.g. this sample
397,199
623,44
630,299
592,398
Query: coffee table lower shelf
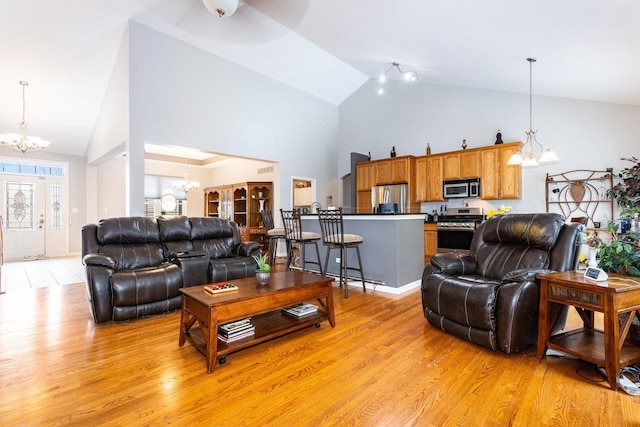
268,326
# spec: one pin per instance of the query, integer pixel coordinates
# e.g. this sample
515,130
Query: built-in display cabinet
242,204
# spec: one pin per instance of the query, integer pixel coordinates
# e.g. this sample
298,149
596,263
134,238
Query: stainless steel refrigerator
389,199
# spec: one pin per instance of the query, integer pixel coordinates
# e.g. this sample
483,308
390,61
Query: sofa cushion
214,236
127,230
175,233
134,255
145,285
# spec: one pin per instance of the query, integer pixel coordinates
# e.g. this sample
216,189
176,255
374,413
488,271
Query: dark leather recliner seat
491,296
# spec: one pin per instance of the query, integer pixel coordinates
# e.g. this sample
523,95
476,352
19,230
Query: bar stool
333,237
295,236
274,235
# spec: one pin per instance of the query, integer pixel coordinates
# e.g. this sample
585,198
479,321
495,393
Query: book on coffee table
302,309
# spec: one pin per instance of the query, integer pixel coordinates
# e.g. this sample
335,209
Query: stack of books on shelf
238,330
302,309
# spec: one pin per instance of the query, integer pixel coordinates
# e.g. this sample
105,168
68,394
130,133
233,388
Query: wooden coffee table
262,303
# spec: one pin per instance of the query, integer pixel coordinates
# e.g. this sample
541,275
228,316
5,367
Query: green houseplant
264,269
627,192
622,253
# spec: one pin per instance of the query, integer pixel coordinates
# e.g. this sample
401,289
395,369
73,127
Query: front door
24,217
33,215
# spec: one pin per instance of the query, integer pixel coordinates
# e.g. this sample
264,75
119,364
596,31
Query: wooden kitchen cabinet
429,178
402,169
430,241
497,179
510,175
422,174
470,164
382,172
363,201
365,176
451,165
461,164
434,178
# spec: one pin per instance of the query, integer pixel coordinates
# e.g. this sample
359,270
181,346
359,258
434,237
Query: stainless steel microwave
461,188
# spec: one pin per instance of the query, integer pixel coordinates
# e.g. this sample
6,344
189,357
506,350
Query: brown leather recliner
491,296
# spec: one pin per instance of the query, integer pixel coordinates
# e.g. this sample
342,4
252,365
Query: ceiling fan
222,8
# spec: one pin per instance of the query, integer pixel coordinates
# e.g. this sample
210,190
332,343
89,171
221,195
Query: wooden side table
618,299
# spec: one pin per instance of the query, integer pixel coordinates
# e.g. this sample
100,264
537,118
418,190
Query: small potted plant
594,243
264,269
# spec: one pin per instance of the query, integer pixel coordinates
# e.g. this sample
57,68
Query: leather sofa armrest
186,255
453,264
247,249
99,260
524,275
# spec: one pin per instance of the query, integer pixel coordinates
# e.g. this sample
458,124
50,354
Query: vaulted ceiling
66,49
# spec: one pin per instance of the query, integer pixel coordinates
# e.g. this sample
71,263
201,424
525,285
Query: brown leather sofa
135,265
491,296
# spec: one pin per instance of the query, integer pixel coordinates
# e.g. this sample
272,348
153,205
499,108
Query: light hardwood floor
383,365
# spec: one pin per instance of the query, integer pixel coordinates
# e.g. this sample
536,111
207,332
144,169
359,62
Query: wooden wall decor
581,194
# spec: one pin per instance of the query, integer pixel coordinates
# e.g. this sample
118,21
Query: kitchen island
392,252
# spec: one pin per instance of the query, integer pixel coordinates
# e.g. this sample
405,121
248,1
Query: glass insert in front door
20,205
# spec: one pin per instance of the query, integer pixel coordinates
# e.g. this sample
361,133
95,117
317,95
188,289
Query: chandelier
410,76
22,142
532,153
186,185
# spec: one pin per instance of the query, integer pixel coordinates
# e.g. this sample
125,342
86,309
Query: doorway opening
303,194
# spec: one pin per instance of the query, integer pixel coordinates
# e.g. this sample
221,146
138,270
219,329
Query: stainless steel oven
456,229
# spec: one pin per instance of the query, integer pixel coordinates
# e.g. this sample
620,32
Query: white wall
181,95
585,135
110,188
112,124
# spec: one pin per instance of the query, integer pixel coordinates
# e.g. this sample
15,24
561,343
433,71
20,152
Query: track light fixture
409,75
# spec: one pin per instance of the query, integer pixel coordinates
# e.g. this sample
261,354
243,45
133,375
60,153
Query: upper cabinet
425,174
395,170
498,180
429,173
365,176
451,165
470,164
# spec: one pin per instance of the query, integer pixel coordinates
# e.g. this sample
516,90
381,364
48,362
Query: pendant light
186,185
21,142
532,153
